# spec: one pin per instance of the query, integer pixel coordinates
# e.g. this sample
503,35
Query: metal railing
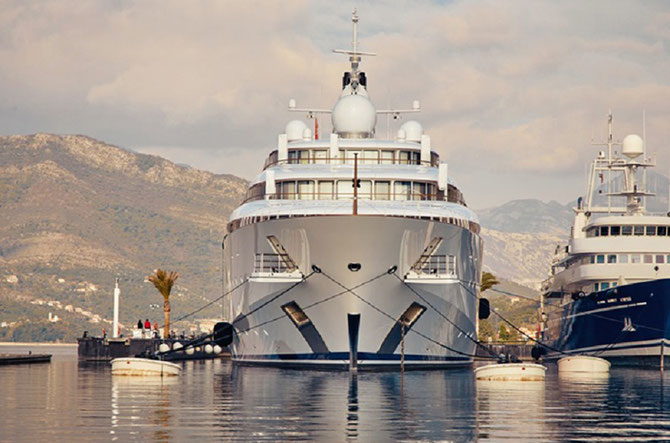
271,263
439,265
344,160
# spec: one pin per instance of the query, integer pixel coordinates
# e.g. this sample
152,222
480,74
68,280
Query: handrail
348,161
347,196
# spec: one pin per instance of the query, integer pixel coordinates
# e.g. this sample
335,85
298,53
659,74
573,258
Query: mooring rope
475,341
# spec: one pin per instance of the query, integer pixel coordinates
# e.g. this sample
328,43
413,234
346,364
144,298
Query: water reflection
213,400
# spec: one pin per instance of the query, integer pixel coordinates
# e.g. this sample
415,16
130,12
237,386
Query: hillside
75,213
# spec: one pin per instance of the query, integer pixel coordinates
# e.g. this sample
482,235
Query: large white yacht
608,292
324,273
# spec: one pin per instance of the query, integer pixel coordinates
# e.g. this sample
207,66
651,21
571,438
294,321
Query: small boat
511,371
583,363
144,366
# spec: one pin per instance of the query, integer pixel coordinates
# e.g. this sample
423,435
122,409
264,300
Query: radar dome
633,145
295,129
354,116
413,130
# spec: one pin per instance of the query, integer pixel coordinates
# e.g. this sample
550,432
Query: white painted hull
269,337
143,367
511,371
583,363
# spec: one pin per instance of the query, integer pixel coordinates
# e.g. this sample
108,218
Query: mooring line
475,341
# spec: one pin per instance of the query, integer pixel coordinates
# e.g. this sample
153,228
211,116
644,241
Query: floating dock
107,349
21,359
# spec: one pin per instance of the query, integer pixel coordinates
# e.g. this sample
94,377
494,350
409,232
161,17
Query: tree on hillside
488,281
486,331
163,281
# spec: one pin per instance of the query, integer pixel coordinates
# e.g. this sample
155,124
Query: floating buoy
144,366
177,346
209,349
511,371
217,349
164,347
583,364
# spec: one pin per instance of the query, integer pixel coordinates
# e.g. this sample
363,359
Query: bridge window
626,230
604,231
382,190
387,157
662,230
402,190
326,188
305,190
638,230
623,258
611,258
615,230
635,259
600,259
648,258
660,259
651,230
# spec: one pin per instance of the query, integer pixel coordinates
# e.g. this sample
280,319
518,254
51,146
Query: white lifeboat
144,366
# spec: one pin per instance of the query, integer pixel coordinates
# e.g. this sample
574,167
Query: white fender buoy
190,350
583,364
217,349
511,371
208,349
176,346
144,367
164,347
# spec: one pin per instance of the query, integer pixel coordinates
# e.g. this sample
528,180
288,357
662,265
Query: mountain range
76,213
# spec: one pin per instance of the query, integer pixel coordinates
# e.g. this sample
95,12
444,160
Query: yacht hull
627,325
269,336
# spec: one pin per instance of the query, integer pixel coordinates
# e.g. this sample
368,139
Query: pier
20,359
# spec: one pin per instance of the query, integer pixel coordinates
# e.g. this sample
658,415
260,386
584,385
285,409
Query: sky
512,92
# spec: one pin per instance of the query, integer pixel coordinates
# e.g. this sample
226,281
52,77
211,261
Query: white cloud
512,88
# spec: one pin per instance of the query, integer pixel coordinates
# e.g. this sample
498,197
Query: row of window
626,230
346,156
344,190
626,259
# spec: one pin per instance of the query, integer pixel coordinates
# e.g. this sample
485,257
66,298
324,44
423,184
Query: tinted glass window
623,258
662,230
648,258
600,259
651,230
615,230
634,258
604,231
626,230
382,190
660,259
611,258
638,230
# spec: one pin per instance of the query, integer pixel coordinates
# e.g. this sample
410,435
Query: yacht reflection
337,405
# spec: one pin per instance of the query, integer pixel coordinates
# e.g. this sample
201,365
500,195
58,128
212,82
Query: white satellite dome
633,146
354,116
295,129
413,131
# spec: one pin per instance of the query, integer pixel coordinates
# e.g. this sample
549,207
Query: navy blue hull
629,324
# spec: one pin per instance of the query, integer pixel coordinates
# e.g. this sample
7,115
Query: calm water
70,401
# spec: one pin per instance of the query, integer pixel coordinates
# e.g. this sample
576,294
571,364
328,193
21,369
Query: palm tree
488,281
163,281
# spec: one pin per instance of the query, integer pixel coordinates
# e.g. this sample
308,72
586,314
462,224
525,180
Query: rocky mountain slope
75,213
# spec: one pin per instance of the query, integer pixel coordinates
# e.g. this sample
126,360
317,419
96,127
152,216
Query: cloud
512,89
